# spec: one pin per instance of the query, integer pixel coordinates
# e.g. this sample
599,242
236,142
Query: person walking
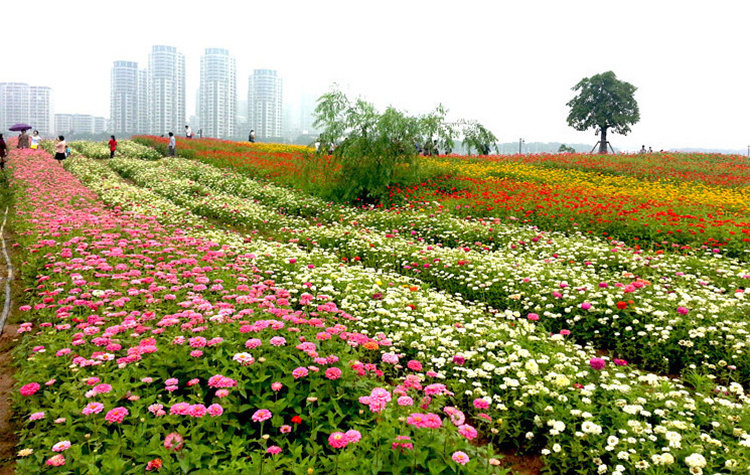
188,132
36,140
172,145
60,148
3,152
112,146
23,140
251,137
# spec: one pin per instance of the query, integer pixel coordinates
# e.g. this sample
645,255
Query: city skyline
483,61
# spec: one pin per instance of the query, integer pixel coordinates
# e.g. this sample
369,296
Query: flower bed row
148,348
604,293
545,393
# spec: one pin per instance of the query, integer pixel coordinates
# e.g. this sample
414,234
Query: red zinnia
622,305
296,420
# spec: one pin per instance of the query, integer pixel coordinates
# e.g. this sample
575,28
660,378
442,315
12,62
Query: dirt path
7,428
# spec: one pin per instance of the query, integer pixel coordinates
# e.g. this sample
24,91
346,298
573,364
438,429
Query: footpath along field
410,339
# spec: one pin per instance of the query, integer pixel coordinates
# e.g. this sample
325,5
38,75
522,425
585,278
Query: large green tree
604,103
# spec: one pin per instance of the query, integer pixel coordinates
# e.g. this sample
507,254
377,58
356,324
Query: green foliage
603,102
477,137
372,150
566,149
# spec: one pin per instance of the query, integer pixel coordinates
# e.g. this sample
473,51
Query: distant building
33,105
264,103
142,119
217,102
124,98
166,90
79,124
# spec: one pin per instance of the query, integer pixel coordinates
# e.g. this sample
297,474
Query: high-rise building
33,105
142,123
217,103
264,101
123,102
166,90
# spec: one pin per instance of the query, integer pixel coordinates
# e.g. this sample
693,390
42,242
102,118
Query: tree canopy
604,103
372,150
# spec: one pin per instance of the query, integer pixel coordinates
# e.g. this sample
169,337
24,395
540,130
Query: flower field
215,313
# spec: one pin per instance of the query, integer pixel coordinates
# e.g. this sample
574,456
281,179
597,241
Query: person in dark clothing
486,149
3,152
112,146
251,137
23,140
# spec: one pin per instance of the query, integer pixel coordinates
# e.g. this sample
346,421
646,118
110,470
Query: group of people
33,141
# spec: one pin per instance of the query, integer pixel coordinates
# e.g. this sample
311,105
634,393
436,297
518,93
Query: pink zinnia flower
433,421
533,317
278,341
262,415
222,393
171,382
467,431
481,403
390,358
196,353
597,363
102,388
36,416
353,436
56,461
274,449
333,373
29,389
197,410
276,386
215,410
459,360
585,306
173,442
116,415
338,440
460,457
180,409
92,408
285,429
405,401
300,372
414,365
61,446
682,310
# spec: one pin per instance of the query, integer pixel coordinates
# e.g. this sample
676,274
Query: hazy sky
510,65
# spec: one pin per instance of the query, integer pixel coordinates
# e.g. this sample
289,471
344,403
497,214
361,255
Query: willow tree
604,103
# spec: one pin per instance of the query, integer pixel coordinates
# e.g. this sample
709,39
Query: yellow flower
25,452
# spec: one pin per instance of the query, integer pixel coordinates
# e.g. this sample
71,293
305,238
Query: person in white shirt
36,140
188,132
172,145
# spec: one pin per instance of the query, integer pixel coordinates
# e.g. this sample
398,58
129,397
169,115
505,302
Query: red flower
296,420
154,464
622,305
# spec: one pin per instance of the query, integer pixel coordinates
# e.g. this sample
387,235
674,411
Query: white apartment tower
166,90
264,108
217,100
123,101
33,105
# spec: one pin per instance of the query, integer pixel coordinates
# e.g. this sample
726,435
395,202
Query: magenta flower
405,401
102,388
414,365
285,429
274,450
262,415
459,360
29,389
276,386
338,440
682,310
278,341
197,410
597,363
333,373
467,431
481,403
180,409
56,460
533,317
585,306
215,410
116,415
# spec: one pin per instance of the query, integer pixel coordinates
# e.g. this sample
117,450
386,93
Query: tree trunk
603,142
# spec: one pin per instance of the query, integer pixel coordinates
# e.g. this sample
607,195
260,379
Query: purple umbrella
19,127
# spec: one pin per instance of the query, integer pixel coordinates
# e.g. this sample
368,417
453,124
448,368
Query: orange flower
371,345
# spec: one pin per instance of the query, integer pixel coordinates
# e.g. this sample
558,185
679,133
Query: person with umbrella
23,140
